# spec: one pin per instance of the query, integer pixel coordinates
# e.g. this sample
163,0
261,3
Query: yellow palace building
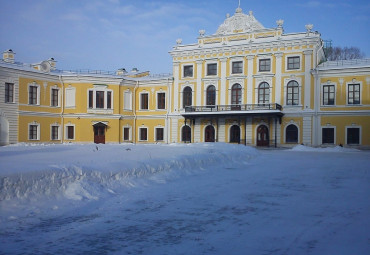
244,84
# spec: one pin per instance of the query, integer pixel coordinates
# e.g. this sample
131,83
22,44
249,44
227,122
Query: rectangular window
32,96
32,135
91,99
109,100
328,136
55,133
237,67
99,99
126,134
54,97
212,69
159,134
70,132
143,132
328,94
188,71
265,65
9,92
127,100
161,101
353,136
353,93
293,63
144,101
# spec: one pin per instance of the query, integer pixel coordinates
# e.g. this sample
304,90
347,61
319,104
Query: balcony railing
233,107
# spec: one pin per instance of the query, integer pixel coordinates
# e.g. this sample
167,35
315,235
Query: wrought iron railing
233,107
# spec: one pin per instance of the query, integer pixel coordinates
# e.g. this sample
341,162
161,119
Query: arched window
236,96
235,134
186,97
291,134
209,134
292,97
264,93
186,134
211,95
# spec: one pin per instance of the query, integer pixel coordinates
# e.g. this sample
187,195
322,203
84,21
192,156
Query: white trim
299,81
231,84
139,134
66,132
295,124
300,62
51,95
34,84
129,133
208,62
264,57
51,132
335,134
70,102
129,104
354,82
105,90
360,134
141,93
183,71
256,91
236,59
205,93
328,83
155,133
165,100
183,86
34,123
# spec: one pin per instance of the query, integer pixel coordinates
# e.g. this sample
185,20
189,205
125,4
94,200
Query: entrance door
99,134
262,136
209,134
235,134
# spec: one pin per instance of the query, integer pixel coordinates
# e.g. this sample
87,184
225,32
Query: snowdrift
80,172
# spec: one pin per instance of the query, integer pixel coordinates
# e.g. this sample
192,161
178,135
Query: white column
278,69
307,79
222,130
307,130
222,92
197,131
249,131
174,127
250,79
176,95
198,87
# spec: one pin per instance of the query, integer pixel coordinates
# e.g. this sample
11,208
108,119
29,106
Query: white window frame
141,93
165,100
68,102
51,95
182,94
292,56
335,134
34,84
299,81
51,132
139,134
155,133
13,93
264,57
183,71
66,132
37,133
322,94
129,133
211,63
206,86
129,104
354,82
256,92
105,90
237,59
299,132
231,84
360,134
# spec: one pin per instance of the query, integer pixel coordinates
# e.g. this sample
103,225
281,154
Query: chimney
8,56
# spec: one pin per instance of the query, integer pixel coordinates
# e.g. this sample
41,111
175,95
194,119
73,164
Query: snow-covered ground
183,199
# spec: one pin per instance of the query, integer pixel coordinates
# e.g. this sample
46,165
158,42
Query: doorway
99,132
209,134
262,136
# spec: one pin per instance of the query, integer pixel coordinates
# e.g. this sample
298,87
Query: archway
209,134
262,136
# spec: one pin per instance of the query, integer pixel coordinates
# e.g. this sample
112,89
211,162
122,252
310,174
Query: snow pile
327,149
89,172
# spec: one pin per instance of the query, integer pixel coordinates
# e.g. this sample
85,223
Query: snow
211,198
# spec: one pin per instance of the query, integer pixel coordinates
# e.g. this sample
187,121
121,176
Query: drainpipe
134,109
62,114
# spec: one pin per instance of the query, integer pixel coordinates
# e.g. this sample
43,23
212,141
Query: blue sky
111,34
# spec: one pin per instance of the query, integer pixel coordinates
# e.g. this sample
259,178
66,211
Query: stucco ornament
240,22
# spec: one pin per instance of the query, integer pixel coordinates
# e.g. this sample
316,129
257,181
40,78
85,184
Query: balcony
238,109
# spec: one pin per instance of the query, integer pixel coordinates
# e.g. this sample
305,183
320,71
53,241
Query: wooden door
99,134
209,134
262,136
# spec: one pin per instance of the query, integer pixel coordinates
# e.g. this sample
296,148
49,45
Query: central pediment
239,23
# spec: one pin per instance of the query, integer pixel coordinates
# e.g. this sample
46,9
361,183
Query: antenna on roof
239,4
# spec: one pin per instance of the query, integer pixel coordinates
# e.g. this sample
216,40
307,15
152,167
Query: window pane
211,69
264,65
9,92
109,100
126,134
70,132
161,101
32,95
159,134
237,67
188,71
328,135
144,101
99,99
291,134
293,62
187,97
353,136
143,134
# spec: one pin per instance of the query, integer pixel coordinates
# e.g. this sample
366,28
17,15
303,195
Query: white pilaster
278,69
174,127
307,79
198,87
307,130
250,79
222,130
197,131
249,131
176,95
222,92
